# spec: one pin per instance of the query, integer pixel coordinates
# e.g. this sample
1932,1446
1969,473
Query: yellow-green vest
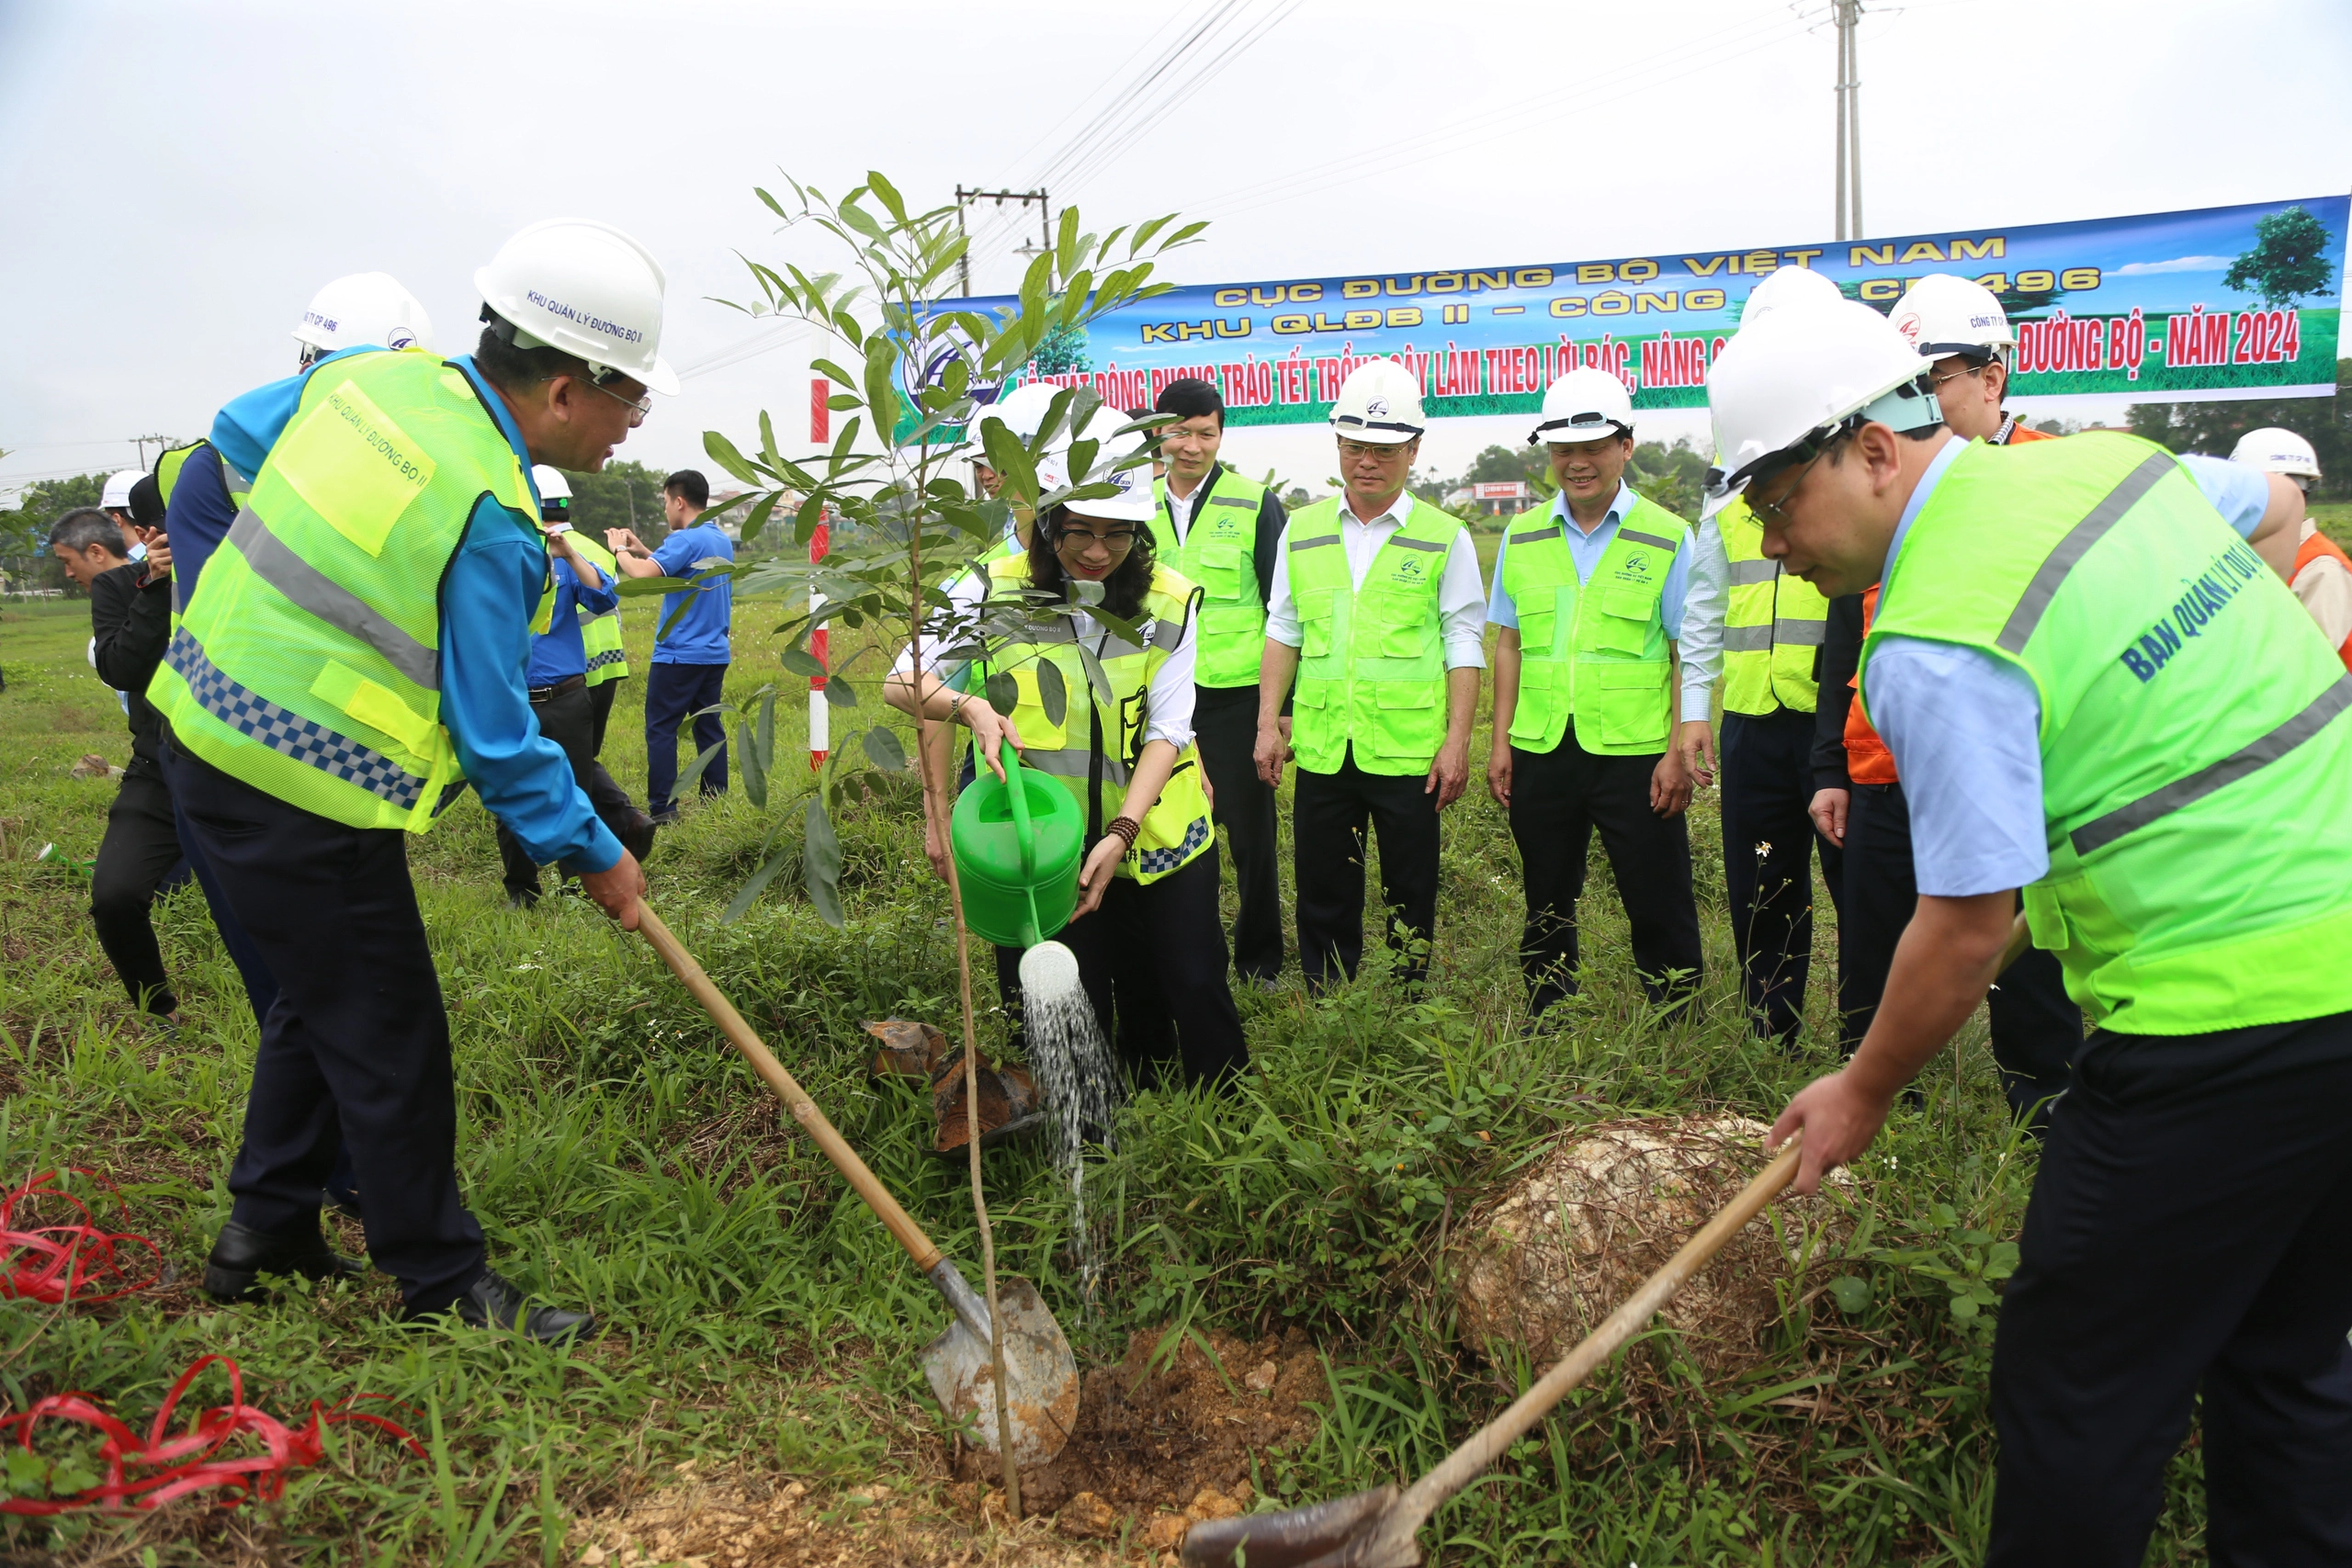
168,467
1372,662
1219,554
308,663
600,635
2196,758
1176,831
1596,651
1773,628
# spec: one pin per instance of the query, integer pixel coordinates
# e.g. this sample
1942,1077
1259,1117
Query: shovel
1376,1529
1043,1400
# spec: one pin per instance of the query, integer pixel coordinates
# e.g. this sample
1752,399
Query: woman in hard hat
2098,688
1150,944
2322,576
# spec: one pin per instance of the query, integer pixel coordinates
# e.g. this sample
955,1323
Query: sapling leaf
1053,695
748,893
765,735
822,864
747,762
722,452
840,693
1096,678
799,660
1003,690
882,746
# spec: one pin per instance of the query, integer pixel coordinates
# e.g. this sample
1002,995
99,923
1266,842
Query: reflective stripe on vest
1176,831
1774,625
2176,899
1594,653
1218,555
600,635
307,663
1371,661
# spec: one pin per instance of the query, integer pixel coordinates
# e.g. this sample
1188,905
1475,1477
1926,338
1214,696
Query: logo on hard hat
1908,324
1125,478
1377,409
399,337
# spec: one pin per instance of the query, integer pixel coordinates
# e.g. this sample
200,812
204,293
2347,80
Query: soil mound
1544,1261
1156,1449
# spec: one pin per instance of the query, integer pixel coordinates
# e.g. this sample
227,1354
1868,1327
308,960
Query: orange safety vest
1867,759
2320,545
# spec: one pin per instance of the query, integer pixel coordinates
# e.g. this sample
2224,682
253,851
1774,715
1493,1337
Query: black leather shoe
241,1254
635,834
493,1302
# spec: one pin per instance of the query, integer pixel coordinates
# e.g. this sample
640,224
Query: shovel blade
1347,1532
1043,1375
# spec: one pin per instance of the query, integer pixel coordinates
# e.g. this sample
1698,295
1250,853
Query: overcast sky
179,179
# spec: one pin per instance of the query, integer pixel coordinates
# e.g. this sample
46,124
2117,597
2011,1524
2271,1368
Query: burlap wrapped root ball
1544,1261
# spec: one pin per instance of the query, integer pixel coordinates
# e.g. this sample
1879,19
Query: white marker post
820,720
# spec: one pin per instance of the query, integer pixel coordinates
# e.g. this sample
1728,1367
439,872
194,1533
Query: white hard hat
1022,409
117,493
2274,451
1787,286
1134,503
1585,404
1943,315
584,288
365,309
552,485
1801,373
1380,404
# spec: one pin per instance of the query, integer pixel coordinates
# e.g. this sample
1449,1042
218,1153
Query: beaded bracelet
1126,828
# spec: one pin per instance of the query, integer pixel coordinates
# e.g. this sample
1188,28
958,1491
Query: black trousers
1768,843
1224,723
2036,1027
567,716
672,691
139,853
1152,959
1327,816
1557,798
2191,1227
600,706
355,1053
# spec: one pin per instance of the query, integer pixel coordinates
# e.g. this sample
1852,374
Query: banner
2224,302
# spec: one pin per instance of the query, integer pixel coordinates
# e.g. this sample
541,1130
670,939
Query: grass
758,1318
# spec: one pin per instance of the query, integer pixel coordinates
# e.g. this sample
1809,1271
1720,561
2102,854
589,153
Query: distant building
1493,496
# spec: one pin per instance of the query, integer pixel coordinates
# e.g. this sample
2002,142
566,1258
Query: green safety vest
1176,831
2196,764
1773,628
1218,553
600,635
168,467
308,663
1596,651
1371,661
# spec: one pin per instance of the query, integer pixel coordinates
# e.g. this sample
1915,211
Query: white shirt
1171,718
1182,508
1461,595
1706,606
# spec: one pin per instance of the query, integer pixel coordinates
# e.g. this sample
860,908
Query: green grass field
761,1324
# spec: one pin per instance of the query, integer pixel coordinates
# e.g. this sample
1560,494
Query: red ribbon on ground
76,1262
175,1467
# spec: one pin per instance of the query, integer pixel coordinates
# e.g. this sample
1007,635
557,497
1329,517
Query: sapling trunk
934,807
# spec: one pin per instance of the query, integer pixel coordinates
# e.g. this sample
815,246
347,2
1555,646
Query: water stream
1073,1070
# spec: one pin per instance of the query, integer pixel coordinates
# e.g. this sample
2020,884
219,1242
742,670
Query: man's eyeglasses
1936,383
1354,451
1801,457
638,407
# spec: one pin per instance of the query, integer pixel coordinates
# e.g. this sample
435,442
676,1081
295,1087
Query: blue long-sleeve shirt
558,653
489,595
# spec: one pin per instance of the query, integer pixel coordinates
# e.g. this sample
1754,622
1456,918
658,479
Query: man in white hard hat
2323,578
2097,689
354,655
1589,596
557,681
1378,615
1762,630
115,502
1859,803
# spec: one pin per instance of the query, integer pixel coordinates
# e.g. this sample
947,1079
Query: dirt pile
1157,1449
1544,1261
746,1522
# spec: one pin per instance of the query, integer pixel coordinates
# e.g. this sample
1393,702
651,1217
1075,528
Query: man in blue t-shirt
690,656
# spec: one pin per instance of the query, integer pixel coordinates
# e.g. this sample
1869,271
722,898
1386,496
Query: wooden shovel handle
788,1089
1465,1464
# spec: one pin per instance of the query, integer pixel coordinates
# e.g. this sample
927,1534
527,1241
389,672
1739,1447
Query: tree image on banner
2288,260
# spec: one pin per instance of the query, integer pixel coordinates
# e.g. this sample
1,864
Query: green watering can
1016,842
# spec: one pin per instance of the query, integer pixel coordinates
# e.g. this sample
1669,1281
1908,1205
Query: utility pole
162,444
1045,228
1848,15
